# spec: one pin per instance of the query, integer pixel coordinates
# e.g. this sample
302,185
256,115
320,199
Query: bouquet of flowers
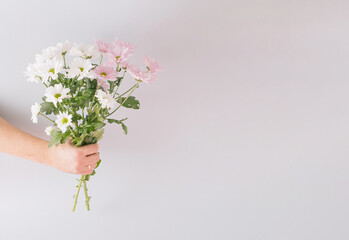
85,93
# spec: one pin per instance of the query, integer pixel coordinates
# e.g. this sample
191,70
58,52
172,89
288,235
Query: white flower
64,121
35,111
84,51
33,73
80,67
64,47
56,93
48,130
105,99
49,53
50,69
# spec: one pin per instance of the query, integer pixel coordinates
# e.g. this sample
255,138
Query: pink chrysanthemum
120,51
103,47
151,64
127,65
103,84
139,75
105,73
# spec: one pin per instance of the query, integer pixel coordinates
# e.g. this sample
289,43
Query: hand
67,158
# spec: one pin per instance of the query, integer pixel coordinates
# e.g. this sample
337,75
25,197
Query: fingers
89,171
80,162
91,159
89,149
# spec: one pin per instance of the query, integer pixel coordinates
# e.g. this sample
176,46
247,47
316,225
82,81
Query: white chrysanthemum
33,73
105,99
80,67
64,121
49,53
48,130
56,93
35,111
50,69
84,51
64,47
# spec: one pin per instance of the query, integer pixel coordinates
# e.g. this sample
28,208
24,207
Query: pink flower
139,75
152,65
110,63
105,73
103,47
120,51
127,65
103,83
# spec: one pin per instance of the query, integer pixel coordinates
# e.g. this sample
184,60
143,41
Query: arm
64,157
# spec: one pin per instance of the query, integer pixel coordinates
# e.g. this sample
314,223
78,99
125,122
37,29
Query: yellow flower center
103,74
58,95
65,120
52,70
81,69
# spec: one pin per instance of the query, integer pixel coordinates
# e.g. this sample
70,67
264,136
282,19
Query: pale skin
64,157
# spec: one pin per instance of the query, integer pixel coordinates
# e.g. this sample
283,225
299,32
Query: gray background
244,136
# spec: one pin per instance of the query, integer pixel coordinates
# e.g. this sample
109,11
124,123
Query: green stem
43,82
71,130
119,84
127,91
46,117
135,86
87,198
95,95
65,65
101,59
95,113
77,193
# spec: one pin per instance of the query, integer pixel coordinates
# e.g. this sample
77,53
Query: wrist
44,153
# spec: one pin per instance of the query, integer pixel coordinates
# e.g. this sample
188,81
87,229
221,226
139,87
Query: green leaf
98,125
89,140
47,108
131,102
91,84
78,141
76,117
118,81
101,119
65,137
73,86
53,82
98,134
113,84
60,77
56,137
99,162
124,127
94,172
84,99
86,178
